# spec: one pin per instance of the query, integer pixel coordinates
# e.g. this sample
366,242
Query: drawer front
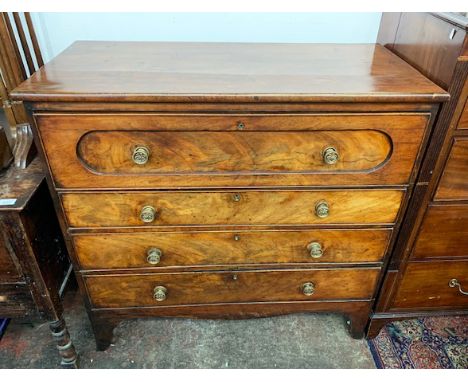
15,300
231,208
454,182
444,232
141,150
180,249
426,285
119,291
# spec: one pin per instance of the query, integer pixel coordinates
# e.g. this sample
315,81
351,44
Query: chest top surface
227,72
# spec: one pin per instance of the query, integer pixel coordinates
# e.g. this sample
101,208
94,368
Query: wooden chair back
20,57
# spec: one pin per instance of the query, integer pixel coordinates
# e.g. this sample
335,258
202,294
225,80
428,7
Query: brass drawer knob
140,155
147,214
154,256
322,209
330,155
315,250
455,283
308,289
160,293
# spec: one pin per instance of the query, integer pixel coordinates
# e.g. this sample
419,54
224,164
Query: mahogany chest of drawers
428,271
229,180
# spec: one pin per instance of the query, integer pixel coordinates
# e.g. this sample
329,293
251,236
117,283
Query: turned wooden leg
103,330
357,322
64,344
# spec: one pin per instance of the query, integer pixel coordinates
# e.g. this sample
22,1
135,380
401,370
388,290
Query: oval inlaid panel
242,152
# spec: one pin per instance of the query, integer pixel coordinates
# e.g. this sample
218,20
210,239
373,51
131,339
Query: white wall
56,31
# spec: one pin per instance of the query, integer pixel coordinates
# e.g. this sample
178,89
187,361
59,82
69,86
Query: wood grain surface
224,72
425,285
117,291
210,151
267,207
185,249
453,184
419,39
444,232
229,153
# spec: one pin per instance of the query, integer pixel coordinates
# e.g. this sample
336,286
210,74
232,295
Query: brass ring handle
148,214
153,256
322,209
160,293
315,250
140,155
308,289
330,155
455,283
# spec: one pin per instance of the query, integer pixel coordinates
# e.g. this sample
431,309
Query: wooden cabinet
33,259
238,180
428,270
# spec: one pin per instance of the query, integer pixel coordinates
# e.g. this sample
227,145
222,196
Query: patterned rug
426,343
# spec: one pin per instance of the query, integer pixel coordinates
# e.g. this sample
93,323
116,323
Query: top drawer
151,150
